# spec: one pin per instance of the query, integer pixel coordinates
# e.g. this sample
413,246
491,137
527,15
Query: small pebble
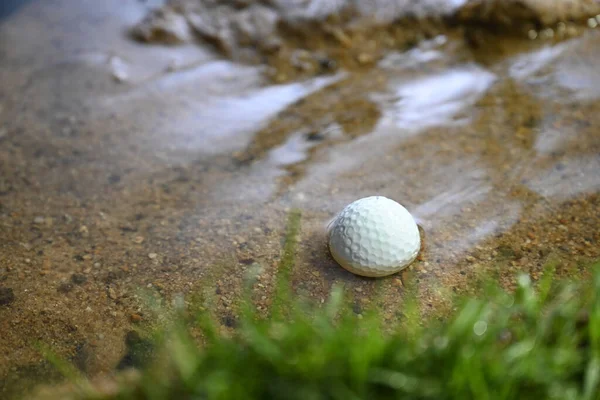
571,31
548,33
152,256
118,69
135,318
532,34
315,136
7,296
365,58
65,287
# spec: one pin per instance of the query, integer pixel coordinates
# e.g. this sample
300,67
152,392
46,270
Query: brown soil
130,172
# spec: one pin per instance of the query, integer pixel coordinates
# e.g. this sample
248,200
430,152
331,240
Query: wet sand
129,168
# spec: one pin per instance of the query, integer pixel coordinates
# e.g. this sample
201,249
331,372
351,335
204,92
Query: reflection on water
576,176
294,150
549,140
527,65
562,68
574,72
389,10
424,53
450,200
437,99
211,109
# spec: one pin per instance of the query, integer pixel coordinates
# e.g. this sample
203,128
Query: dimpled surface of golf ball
374,237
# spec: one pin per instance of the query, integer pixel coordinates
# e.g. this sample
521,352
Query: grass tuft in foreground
541,342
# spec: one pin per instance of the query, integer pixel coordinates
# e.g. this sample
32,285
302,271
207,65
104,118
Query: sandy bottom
130,170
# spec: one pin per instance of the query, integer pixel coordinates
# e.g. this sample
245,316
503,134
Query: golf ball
374,237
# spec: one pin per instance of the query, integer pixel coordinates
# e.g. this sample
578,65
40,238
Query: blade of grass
282,298
67,369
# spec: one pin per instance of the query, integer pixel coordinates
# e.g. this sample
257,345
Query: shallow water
172,169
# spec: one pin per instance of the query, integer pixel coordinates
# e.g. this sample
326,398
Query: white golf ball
374,237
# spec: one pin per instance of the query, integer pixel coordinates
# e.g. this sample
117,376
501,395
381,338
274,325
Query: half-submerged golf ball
374,236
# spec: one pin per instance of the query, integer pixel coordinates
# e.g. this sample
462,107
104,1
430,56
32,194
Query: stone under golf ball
374,237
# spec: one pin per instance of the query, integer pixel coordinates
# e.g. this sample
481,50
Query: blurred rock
273,32
7,296
163,25
229,27
516,12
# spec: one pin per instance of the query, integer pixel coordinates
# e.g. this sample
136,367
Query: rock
136,318
139,352
138,239
7,296
78,279
65,287
244,30
365,58
229,320
517,12
230,28
315,136
83,230
163,25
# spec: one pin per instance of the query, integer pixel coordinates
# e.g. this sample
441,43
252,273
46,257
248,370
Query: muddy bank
310,38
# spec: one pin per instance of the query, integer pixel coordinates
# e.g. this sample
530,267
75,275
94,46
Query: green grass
540,342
